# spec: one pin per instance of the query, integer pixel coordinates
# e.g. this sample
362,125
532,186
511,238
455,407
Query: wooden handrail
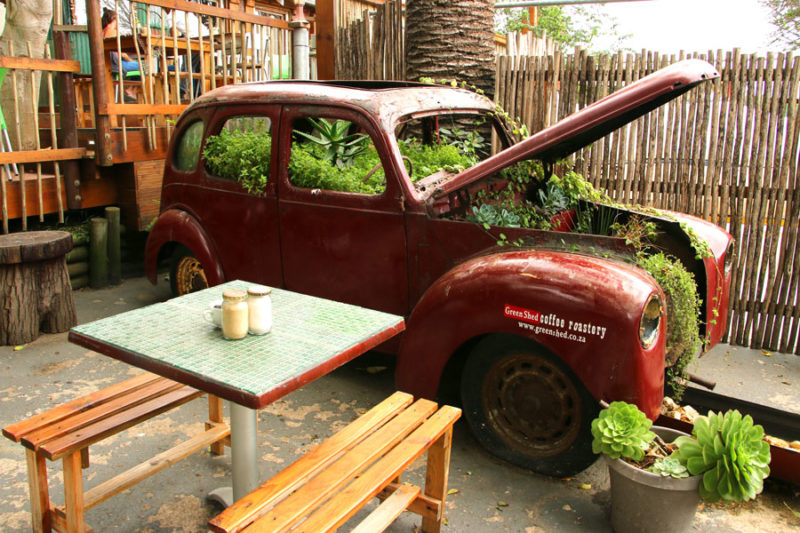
201,9
40,63
41,156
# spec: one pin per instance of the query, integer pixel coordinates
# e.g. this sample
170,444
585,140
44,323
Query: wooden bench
66,432
331,483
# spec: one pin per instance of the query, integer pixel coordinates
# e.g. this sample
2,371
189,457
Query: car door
240,211
342,227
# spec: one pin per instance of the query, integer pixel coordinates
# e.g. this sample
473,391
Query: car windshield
441,144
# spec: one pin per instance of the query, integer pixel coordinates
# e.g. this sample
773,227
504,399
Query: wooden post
114,249
98,253
326,30
104,155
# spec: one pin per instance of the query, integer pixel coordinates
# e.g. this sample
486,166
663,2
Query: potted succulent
658,477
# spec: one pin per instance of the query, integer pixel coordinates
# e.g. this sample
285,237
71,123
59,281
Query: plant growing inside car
341,147
241,156
683,310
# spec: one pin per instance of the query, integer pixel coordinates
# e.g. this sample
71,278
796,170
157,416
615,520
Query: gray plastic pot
643,502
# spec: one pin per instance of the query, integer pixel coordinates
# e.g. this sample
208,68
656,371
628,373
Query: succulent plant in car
731,454
621,430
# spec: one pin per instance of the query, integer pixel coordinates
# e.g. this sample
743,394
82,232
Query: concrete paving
487,495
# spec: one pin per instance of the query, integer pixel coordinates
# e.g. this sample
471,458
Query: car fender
178,226
585,309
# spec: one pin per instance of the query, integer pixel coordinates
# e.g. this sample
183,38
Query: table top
310,337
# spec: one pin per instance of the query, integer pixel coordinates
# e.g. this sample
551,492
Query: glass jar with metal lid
234,314
259,309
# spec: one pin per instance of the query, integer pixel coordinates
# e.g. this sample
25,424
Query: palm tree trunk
451,39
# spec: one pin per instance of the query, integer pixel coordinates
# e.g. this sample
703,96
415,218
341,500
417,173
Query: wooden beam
40,63
41,156
155,464
200,9
71,27
326,38
142,109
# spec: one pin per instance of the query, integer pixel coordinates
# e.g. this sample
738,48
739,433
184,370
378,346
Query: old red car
390,195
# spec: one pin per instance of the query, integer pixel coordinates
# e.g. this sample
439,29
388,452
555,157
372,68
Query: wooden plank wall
726,152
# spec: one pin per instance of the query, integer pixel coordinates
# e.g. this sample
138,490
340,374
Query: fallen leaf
452,491
18,348
766,353
502,504
567,508
586,486
785,382
566,479
469,472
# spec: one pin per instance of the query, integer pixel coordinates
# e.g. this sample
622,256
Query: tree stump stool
35,294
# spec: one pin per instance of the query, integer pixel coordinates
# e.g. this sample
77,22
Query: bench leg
73,493
39,493
215,415
436,476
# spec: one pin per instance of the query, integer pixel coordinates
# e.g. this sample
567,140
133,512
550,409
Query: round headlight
651,318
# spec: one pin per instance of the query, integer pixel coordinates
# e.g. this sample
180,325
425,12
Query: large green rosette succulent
621,430
731,454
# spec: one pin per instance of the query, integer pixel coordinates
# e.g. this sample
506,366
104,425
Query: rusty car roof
385,101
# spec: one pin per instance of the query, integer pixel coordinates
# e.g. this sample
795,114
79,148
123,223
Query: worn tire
186,272
527,407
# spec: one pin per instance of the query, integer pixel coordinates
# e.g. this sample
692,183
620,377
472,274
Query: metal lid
234,295
259,290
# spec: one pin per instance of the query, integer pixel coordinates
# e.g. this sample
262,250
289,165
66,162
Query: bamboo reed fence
371,46
726,152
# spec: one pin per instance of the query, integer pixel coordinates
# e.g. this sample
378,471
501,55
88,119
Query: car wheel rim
531,404
189,276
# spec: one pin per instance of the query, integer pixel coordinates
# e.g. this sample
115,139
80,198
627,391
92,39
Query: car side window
241,152
334,155
187,149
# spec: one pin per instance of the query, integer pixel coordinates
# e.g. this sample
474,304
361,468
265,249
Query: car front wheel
526,406
186,273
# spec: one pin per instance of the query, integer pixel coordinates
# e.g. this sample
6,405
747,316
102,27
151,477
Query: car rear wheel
186,273
526,406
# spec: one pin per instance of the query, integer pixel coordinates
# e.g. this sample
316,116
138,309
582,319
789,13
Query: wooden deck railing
31,179
182,49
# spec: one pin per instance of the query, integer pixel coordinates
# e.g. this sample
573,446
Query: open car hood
592,122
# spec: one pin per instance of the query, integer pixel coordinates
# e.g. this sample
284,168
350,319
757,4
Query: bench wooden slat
423,505
57,448
388,511
16,431
35,439
347,502
294,507
246,509
158,463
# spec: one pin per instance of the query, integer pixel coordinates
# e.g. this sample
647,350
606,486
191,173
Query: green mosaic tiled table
309,338
174,340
